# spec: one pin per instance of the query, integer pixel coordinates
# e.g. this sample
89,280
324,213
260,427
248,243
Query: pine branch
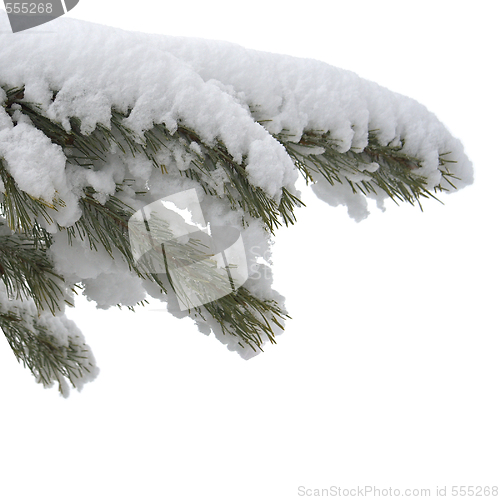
86,150
103,223
238,312
49,358
395,176
21,210
27,272
394,171
107,224
204,160
245,316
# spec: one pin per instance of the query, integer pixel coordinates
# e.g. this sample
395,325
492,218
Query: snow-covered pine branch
97,123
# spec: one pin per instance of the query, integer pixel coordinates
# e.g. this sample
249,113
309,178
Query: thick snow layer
211,86
242,98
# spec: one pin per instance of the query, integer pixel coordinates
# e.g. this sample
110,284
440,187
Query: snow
38,169
224,92
211,86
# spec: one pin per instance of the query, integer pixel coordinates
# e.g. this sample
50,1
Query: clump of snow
226,94
78,261
38,168
109,289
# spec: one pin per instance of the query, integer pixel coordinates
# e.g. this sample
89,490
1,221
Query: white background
387,375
